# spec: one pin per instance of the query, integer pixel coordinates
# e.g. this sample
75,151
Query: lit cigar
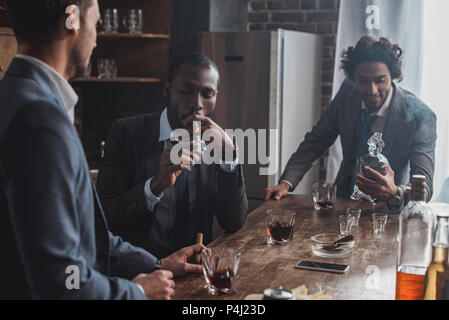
199,239
201,147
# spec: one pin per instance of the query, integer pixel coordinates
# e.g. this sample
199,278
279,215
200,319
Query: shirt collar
65,90
165,128
383,110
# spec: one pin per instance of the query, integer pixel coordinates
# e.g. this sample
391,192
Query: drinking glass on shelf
110,21
107,68
112,69
133,22
102,68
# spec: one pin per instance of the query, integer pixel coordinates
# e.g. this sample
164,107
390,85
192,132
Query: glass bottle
374,159
439,264
414,243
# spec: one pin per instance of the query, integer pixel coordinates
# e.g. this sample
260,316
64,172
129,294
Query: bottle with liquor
374,159
433,289
414,243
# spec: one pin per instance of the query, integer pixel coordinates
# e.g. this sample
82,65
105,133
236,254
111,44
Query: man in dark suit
369,101
55,240
153,203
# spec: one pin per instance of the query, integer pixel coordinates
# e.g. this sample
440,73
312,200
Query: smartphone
322,266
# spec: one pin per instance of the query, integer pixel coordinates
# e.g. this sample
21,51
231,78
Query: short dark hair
371,49
194,59
37,21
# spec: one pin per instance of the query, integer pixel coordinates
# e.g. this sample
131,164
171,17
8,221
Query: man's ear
72,19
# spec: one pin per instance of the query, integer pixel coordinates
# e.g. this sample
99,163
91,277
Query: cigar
199,239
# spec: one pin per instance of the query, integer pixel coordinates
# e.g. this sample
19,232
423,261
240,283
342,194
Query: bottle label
409,286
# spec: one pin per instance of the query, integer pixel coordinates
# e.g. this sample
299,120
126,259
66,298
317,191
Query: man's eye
208,94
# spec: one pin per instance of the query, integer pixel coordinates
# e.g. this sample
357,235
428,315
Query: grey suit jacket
51,217
132,156
409,135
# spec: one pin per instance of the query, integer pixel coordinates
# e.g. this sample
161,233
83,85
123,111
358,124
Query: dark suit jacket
409,135
51,217
132,156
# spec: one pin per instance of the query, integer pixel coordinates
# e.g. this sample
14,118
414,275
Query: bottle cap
278,294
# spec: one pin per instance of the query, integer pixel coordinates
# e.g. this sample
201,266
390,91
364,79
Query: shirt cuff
150,198
289,183
229,167
141,289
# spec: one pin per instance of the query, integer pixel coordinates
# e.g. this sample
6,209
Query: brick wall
312,16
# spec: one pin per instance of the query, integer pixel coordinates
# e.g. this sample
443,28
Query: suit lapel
101,233
354,116
394,123
151,146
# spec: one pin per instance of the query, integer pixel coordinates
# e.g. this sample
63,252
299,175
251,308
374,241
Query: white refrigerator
268,80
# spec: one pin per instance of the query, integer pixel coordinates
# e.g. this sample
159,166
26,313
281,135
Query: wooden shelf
132,36
118,80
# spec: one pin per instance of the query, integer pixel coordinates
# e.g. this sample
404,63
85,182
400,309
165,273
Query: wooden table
372,273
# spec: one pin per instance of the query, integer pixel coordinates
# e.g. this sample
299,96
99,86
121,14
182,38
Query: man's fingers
376,174
193,268
268,192
178,167
365,180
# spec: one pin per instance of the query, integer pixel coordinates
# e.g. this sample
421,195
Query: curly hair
371,49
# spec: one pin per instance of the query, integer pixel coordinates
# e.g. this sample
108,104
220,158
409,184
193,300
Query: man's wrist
158,265
155,187
397,197
288,184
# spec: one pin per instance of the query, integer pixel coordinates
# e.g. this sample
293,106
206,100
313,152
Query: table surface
372,272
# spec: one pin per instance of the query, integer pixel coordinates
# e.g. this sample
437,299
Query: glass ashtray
323,245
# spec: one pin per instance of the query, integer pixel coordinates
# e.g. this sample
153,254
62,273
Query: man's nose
197,102
373,89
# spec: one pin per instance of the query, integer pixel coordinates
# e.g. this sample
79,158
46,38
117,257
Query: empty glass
324,195
347,224
355,213
220,266
107,68
133,22
110,21
379,222
280,225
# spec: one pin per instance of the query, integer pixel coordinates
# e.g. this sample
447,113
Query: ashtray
327,245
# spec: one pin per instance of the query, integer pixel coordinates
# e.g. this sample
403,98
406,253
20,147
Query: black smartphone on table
322,266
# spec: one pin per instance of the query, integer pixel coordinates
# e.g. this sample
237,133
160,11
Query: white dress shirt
68,95
164,135
378,122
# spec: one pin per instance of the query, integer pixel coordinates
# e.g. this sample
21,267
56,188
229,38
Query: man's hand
208,124
158,285
169,172
277,192
382,188
178,261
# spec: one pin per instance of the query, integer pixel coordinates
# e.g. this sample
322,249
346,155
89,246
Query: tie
365,134
181,227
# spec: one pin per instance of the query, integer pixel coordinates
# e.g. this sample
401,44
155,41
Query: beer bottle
439,264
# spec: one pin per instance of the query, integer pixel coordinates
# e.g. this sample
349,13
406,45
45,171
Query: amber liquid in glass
279,232
410,283
222,279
